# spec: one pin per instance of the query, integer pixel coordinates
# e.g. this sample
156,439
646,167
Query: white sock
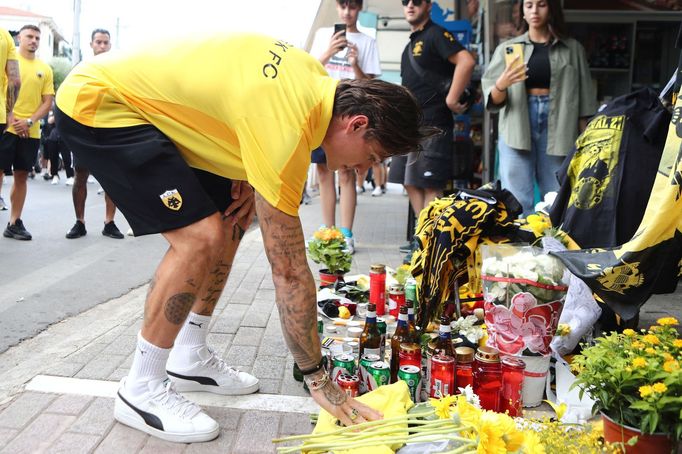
191,338
149,364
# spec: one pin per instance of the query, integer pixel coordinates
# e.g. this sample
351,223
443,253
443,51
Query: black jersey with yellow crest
431,46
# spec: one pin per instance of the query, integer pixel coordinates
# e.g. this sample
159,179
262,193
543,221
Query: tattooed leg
188,267
210,292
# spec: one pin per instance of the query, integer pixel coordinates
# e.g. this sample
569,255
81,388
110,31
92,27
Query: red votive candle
512,386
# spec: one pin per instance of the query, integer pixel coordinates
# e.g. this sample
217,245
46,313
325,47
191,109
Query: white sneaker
165,414
100,191
3,206
55,180
211,374
350,245
91,179
69,181
377,192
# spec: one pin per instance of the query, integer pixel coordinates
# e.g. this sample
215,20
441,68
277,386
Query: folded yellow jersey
391,400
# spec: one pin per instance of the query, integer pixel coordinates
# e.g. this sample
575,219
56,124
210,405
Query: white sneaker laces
215,362
177,404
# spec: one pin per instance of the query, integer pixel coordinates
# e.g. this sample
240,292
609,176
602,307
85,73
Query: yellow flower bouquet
636,379
327,247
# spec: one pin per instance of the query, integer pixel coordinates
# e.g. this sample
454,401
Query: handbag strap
432,79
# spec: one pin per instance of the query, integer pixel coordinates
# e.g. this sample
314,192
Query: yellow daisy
629,332
659,388
638,362
532,444
645,391
667,321
651,339
677,343
671,366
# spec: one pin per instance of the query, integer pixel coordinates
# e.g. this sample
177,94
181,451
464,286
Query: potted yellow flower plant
636,380
328,248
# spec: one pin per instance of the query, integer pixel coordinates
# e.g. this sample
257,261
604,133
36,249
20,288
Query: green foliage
635,377
61,66
329,249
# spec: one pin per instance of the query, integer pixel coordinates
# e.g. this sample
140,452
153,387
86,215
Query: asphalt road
51,278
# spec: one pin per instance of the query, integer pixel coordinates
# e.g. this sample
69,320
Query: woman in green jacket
543,101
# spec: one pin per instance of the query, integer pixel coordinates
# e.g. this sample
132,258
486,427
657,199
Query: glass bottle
444,341
370,339
401,335
411,327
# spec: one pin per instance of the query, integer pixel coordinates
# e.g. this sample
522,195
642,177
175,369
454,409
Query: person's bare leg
327,194
416,196
79,192
109,209
18,195
195,251
348,198
430,194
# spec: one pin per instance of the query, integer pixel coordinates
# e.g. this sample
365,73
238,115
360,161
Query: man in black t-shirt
437,56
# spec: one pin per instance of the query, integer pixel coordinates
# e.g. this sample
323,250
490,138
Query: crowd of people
30,136
192,151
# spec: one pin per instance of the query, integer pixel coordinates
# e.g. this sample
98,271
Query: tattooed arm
13,83
296,298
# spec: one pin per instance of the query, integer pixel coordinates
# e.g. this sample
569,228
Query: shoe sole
73,237
16,237
111,235
184,385
126,415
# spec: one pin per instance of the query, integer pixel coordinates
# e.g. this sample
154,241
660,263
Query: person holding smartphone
346,53
540,84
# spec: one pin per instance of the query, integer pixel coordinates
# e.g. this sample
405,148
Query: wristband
312,370
317,383
499,89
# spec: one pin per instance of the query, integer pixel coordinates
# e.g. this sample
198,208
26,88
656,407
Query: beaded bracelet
316,383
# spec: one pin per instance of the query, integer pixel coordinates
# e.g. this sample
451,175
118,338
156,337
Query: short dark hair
556,22
395,117
99,30
29,27
343,2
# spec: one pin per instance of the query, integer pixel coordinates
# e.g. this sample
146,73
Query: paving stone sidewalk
99,345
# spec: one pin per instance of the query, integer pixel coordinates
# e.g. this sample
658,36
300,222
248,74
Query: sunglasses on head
414,2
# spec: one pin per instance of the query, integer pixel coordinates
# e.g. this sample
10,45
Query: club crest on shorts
172,199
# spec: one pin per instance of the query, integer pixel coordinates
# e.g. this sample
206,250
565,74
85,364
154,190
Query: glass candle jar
511,399
464,373
488,377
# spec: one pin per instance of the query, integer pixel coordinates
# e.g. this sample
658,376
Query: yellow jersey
243,106
36,81
7,52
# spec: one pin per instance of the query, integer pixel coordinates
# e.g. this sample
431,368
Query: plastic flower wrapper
524,294
328,248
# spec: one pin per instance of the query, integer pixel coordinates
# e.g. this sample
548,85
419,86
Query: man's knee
204,240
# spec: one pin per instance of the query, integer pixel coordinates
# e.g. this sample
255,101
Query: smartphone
511,51
340,28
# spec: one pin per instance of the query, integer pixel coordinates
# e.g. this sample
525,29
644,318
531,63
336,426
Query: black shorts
145,175
17,152
432,166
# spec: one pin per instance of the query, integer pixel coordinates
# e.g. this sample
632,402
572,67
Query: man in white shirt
349,54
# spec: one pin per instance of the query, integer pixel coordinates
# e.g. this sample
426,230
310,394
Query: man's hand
455,106
243,205
21,127
348,410
352,54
